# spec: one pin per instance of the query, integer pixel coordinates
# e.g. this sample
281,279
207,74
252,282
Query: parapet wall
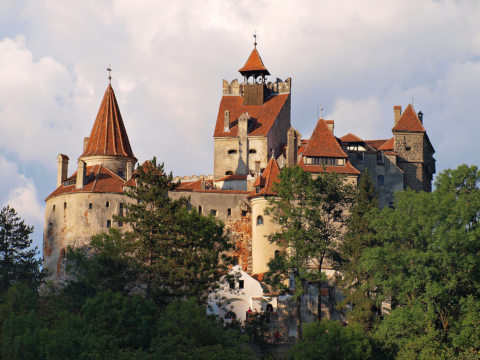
277,87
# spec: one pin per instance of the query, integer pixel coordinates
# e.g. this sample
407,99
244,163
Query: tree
359,236
18,262
310,213
330,340
427,261
178,254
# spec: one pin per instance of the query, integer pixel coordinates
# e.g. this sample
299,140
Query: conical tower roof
323,143
108,136
254,65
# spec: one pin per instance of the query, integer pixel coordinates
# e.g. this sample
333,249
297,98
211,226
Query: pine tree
177,253
359,236
18,262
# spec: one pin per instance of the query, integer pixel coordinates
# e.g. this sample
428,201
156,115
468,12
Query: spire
108,136
254,65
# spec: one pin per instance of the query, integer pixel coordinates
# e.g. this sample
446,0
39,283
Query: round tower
83,204
262,225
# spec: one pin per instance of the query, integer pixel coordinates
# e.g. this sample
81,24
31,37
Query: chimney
397,110
81,174
292,148
129,170
330,125
62,173
226,121
420,116
257,168
203,184
85,142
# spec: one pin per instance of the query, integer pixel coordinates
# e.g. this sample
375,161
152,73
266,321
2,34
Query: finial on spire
255,36
321,112
109,76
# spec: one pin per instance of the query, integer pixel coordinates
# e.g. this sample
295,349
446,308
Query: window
213,212
229,173
244,213
120,173
260,220
120,224
360,157
229,212
107,204
250,124
240,284
64,205
390,205
62,254
53,208
277,253
120,212
90,206
231,284
231,152
257,189
408,148
200,210
109,224
252,151
381,180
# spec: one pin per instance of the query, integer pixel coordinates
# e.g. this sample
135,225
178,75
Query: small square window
390,205
240,284
120,224
408,148
90,206
244,213
213,212
109,224
229,212
120,173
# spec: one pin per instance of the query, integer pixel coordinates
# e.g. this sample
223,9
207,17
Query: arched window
229,173
230,152
107,204
252,151
277,253
381,180
259,220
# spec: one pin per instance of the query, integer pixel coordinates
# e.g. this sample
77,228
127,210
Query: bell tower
254,93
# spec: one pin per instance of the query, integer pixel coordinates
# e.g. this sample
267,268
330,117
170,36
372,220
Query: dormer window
229,173
120,173
231,152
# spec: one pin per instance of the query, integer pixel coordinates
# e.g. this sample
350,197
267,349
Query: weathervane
321,112
109,77
255,36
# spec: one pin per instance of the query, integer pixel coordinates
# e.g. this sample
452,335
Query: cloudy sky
355,58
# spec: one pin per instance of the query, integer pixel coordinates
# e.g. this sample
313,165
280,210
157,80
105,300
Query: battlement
193,178
278,87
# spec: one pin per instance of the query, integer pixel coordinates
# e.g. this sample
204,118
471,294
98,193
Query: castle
253,141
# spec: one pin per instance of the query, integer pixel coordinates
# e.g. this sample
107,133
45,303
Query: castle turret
108,142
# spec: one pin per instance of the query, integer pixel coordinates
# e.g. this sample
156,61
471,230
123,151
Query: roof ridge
323,143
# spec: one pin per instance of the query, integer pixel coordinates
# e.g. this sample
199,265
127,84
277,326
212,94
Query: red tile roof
323,143
216,191
259,181
254,64
409,121
263,116
351,138
348,169
376,144
390,153
271,177
195,185
99,179
108,136
388,145
233,177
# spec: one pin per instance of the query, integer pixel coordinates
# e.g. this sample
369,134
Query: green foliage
310,214
257,329
427,263
359,236
330,340
18,262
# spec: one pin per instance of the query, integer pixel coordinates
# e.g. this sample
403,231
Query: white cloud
20,193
